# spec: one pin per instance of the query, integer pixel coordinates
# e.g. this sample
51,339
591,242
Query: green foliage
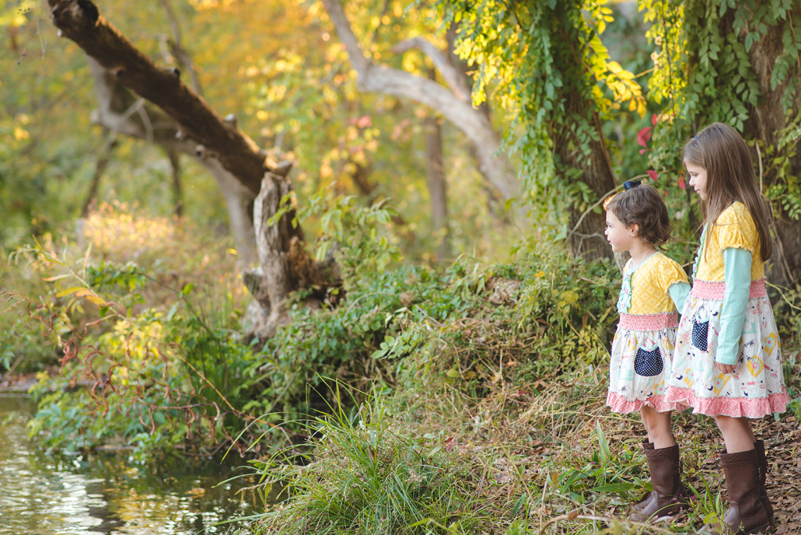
151,383
545,63
151,344
355,234
706,71
339,342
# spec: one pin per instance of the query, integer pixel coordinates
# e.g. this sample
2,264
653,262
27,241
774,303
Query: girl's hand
724,368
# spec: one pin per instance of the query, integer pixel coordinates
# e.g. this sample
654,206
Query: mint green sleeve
737,272
678,292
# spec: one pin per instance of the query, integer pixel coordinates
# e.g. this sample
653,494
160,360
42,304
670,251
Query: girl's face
697,178
619,237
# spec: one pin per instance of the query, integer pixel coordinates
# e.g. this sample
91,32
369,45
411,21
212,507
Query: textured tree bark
81,22
273,243
285,266
474,124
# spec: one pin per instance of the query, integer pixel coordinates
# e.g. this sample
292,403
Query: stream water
105,493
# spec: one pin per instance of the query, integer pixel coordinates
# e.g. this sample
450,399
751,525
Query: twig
603,198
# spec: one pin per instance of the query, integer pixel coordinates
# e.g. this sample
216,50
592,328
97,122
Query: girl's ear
634,229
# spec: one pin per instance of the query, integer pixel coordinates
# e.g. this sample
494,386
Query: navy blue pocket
700,334
648,363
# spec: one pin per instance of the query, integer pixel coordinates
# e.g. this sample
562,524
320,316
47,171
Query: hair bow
627,185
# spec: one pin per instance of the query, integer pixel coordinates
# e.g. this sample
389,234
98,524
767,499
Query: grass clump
367,476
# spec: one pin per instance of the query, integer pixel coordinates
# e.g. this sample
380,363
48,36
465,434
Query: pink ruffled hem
618,403
715,290
734,407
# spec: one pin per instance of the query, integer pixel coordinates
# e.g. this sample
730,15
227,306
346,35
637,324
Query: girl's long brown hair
722,152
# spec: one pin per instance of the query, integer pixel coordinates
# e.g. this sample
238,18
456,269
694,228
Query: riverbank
17,383
467,399
107,493
531,458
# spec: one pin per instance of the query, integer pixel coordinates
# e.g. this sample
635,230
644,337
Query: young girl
654,287
728,360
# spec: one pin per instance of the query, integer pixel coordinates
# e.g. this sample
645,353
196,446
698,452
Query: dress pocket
648,363
700,333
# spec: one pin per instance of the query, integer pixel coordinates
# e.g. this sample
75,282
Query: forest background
419,286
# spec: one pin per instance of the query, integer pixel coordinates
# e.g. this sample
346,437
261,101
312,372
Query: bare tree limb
80,21
452,76
374,78
100,167
176,47
116,111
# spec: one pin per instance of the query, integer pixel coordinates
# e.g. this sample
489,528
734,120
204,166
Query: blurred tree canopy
581,108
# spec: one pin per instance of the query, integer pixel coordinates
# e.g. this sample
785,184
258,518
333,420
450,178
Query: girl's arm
678,292
737,273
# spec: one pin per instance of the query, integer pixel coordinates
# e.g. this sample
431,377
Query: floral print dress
756,387
646,335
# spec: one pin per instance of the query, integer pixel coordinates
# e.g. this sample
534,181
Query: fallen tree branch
81,22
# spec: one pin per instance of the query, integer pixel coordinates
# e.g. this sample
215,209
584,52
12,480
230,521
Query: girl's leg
737,433
659,427
749,509
664,464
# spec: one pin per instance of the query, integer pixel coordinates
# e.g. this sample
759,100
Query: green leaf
606,455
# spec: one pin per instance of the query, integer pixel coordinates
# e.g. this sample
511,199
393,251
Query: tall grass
366,477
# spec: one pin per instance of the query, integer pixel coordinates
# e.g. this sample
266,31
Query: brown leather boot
759,446
746,513
639,506
668,494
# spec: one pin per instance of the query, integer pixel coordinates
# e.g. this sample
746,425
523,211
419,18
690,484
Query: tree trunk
80,21
587,239
177,194
766,123
437,186
285,265
100,167
274,242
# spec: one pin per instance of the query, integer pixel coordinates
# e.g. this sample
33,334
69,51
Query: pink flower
644,136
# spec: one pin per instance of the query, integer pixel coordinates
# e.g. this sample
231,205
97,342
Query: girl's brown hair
722,152
642,206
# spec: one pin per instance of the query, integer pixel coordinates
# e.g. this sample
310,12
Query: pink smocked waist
715,290
649,322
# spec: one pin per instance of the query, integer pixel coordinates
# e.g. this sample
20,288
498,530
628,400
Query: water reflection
106,494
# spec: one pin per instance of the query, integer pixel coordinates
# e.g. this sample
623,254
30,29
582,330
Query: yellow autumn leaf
20,134
69,291
99,301
51,279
